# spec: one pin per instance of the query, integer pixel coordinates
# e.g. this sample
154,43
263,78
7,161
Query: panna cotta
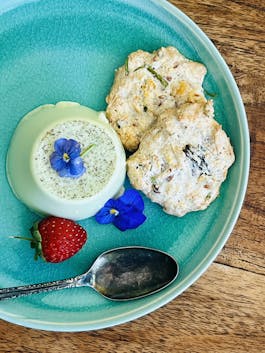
40,186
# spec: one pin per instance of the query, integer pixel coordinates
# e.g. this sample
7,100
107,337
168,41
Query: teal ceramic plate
53,50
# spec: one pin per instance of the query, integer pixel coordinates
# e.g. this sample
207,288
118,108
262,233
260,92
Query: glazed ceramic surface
54,50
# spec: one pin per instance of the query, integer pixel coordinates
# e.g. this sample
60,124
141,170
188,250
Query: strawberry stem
35,241
22,238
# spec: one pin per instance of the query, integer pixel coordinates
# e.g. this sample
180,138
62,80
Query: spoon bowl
119,274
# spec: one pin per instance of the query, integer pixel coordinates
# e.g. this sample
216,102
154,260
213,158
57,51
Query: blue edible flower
66,160
125,212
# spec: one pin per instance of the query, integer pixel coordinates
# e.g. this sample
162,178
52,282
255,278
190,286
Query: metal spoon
119,274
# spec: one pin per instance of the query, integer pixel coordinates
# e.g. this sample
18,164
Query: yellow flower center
66,157
113,211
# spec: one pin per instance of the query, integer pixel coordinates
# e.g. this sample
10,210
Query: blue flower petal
130,220
57,161
65,172
133,199
77,167
112,204
120,206
59,146
104,216
72,148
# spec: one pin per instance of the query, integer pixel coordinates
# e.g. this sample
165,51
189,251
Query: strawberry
56,239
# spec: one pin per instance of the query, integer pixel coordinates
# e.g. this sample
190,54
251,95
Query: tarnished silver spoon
120,274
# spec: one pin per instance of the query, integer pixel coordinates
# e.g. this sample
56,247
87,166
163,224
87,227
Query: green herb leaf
153,179
84,152
127,66
159,77
139,67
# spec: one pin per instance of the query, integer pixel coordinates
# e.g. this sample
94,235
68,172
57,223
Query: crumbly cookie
147,85
183,159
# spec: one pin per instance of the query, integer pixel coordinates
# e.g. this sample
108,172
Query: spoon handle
14,292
